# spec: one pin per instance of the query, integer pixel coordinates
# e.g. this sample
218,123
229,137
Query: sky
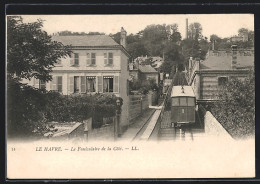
223,25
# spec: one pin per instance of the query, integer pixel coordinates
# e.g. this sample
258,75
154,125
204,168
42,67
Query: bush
144,86
29,109
236,108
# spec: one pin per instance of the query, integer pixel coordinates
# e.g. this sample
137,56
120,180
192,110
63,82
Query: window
76,84
183,101
56,83
108,58
76,59
191,101
91,58
222,81
42,84
59,84
108,84
175,101
91,84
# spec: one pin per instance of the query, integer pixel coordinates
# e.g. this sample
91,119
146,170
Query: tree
30,50
195,30
242,31
236,108
116,37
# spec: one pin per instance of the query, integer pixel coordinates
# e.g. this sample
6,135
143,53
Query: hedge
29,109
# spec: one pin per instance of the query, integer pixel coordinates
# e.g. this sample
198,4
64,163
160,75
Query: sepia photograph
130,96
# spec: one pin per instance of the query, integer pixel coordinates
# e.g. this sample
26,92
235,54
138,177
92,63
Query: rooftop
224,62
147,69
187,91
87,40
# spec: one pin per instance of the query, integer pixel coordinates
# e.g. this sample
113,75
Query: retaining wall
214,128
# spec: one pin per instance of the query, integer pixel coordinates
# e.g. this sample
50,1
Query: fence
137,104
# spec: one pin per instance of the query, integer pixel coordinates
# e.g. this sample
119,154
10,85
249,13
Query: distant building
207,76
98,65
155,61
143,72
241,37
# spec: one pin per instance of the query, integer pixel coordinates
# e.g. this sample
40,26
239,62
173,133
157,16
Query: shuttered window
59,84
105,59
76,58
110,58
56,83
42,84
88,59
93,58
83,84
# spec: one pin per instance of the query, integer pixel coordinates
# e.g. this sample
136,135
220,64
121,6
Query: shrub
29,109
236,108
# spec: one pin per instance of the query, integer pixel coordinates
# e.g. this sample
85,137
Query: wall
103,133
137,106
123,90
214,128
65,62
209,82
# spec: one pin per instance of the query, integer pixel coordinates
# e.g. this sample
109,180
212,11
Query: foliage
236,108
195,31
29,109
30,50
144,86
225,43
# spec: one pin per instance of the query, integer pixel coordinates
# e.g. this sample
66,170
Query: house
148,72
98,65
143,72
207,76
154,61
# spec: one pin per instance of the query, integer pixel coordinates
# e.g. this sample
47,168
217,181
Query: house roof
87,40
224,62
147,69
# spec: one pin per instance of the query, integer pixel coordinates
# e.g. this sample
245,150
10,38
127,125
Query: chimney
187,27
234,57
123,37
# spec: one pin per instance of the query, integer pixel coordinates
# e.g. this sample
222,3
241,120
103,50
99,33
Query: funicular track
167,131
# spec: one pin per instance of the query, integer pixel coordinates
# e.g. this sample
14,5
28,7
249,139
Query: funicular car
183,105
